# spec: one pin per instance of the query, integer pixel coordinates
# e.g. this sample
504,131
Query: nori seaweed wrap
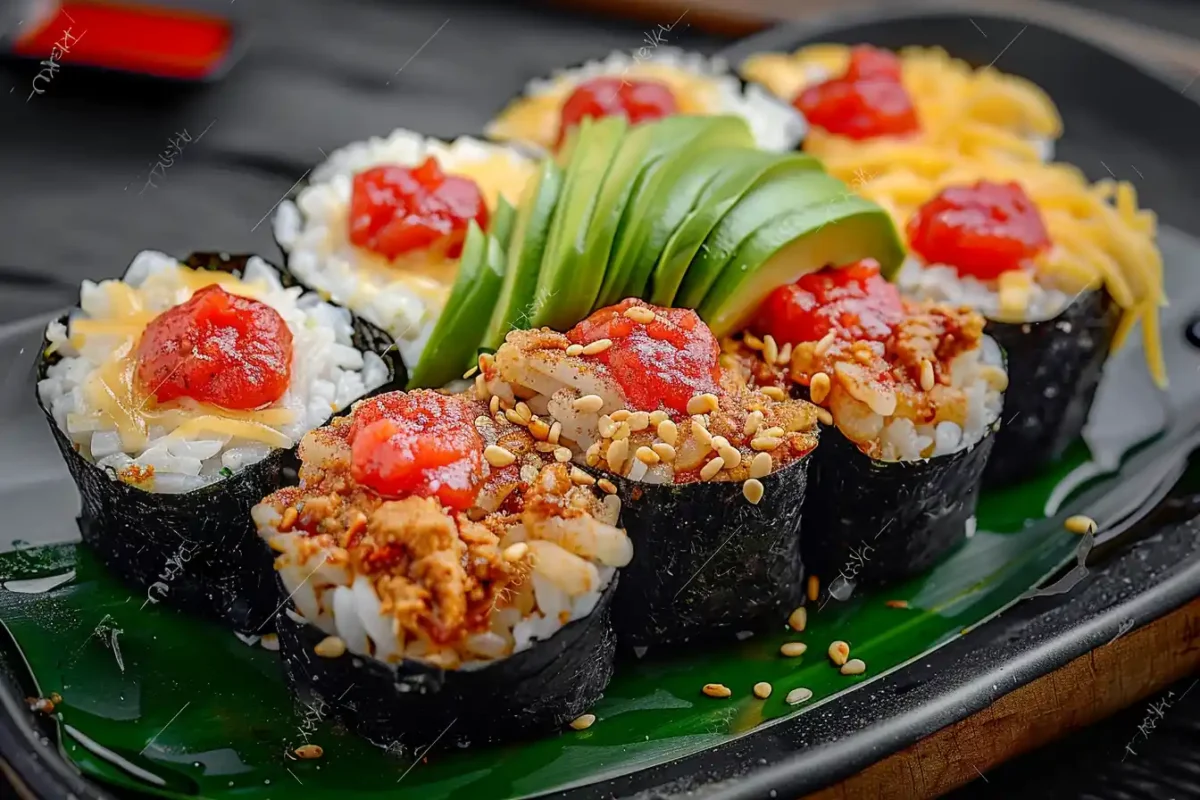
183,539
711,474
443,573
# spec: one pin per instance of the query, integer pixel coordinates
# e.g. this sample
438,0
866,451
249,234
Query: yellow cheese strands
980,125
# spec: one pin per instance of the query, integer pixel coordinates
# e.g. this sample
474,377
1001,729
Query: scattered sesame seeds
797,696
515,552
539,430
754,421
574,349
330,647
596,347
497,456
765,442
855,666
826,342
584,722
798,619
617,452
752,490
646,455
710,470
896,604
760,465
762,690
664,451
581,478
926,374
562,455
775,393
770,349
716,690
638,421
470,373
1077,524
640,314
668,431
818,387
814,588
555,432
752,341
588,404
793,649
703,404
607,486
839,651
307,751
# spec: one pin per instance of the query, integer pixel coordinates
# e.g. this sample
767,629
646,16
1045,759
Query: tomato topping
868,101
396,210
217,348
666,361
636,100
421,444
981,230
854,301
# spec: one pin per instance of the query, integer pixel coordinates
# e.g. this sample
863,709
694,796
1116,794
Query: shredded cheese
980,125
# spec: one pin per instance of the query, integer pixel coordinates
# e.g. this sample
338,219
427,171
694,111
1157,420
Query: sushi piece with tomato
177,395
380,226
986,245
444,574
910,396
642,87
711,474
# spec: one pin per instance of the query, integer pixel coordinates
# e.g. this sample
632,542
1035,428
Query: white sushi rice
775,124
314,232
941,283
328,373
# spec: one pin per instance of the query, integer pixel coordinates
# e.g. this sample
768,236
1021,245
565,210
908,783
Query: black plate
1118,117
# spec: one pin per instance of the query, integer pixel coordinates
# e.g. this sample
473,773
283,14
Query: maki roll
710,473
866,105
445,570
911,394
1060,288
643,86
380,226
176,396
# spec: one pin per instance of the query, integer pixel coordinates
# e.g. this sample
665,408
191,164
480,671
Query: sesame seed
539,430
797,696
574,349
486,360
617,452
562,455
524,410
996,378
638,421
826,342
307,751
581,478
752,341
798,619
664,451
646,455
668,431
592,456
765,442
716,690
818,387
701,435
775,393
1077,524
658,417
839,651
754,421
482,422
515,552
926,375
584,722
814,588
514,416
497,456
330,647
785,355
289,519
770,349
710,470
855,666
620,415
494,405
703,403
598,346
622,431
481,390
640,314
762,690
760,465
752,490
545,447
470,373
607,486
588,404
896,604
606,427
824,417
555,432
731,455
793,649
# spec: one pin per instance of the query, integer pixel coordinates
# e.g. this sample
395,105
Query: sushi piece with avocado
710,473
442,570
644,86
380,226
176,394
910,396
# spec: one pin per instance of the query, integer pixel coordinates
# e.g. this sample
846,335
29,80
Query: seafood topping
217,348
853,301
637,100
868,101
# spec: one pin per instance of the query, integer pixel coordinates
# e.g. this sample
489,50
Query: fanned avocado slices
568,282
452,344
502,221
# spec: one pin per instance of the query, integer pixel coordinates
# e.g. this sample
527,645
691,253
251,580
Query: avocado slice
452,344
526,246
568,281
772,196
661,153
737,171
501,223
843,229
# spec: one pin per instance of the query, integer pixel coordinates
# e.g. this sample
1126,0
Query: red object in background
868,101
166,43
637,100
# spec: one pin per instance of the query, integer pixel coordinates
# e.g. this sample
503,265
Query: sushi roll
863,103
380,226
910,396
176,395
1060,288
711,474
643,86
444,570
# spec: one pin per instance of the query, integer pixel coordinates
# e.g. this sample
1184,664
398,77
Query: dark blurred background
77,198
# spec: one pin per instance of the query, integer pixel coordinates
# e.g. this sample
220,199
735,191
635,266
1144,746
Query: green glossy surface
212,717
